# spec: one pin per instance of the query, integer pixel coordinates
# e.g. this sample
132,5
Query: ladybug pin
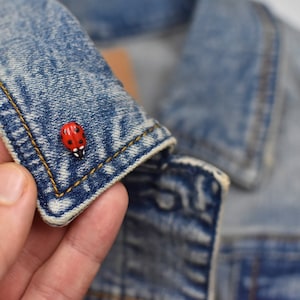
73,137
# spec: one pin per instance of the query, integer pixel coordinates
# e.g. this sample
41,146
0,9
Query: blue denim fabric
51,74
261,243
259,257
223,100
167,246
262,267
106,20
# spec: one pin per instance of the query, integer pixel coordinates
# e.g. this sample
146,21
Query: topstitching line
59,194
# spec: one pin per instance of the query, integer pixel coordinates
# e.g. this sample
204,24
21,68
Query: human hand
41,262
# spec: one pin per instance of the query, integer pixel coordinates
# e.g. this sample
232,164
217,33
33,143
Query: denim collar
51,74
225,100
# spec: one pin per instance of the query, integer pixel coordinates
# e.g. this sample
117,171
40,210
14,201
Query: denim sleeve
51,74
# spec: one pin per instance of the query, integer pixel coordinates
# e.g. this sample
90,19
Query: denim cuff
51,74
225,101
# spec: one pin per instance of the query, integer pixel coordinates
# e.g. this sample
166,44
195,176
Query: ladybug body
73,137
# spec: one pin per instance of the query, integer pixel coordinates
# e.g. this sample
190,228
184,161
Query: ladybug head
79,152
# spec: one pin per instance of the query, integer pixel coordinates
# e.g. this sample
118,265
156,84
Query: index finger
68,273
4,154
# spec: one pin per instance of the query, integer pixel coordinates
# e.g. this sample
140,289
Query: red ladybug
73,137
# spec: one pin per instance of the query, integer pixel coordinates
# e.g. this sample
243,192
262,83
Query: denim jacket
51,74
233,100
223,105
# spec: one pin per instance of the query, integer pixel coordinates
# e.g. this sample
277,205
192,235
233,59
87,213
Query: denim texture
108,20
260,247
224,106
223,99
260,229
261,267
51,74
167,245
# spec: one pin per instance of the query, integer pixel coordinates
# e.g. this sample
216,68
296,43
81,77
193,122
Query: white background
288,10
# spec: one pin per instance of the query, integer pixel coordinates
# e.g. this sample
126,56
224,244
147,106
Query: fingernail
12,182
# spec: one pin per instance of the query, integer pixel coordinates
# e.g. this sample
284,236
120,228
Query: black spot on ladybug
80,141
77,129
70,142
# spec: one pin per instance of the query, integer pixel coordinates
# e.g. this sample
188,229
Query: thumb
17,208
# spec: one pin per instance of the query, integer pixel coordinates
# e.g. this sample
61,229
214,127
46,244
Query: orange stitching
38,151
41,157
109,159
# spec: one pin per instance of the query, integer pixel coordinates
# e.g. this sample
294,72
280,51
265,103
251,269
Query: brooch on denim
73,137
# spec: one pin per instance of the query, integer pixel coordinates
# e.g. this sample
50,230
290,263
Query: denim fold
52,74
168,245
223,100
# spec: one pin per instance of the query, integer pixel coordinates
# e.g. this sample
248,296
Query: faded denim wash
50,74
260,246
223,100
108,20
167,247
251,72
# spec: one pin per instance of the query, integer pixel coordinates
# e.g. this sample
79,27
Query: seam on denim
254,278
108,160
110,296
229,239
214,226
57,193
270,35
267,70
28,131
238,256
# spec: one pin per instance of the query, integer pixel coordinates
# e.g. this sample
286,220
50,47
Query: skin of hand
41,262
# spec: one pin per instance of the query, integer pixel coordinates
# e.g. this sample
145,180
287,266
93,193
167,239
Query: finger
17,207
4,154
69,272
41,243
